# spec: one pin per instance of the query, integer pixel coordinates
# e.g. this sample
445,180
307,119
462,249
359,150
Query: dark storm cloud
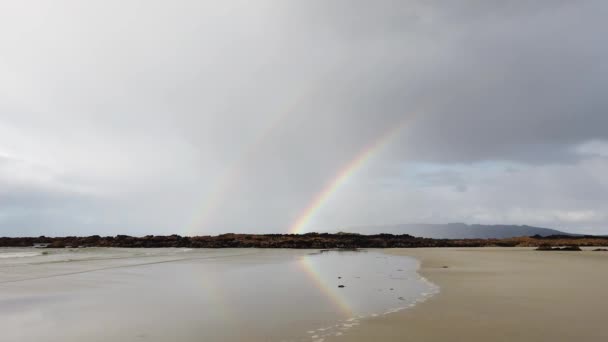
496,81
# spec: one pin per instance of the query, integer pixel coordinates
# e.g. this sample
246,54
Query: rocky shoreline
309,240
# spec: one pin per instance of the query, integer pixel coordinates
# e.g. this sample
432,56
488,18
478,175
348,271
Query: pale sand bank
494,294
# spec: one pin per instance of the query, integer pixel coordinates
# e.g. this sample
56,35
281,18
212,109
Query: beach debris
444,266
392,289
601,250
401,298
339,277
341,286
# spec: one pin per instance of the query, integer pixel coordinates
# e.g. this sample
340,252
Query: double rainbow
299,225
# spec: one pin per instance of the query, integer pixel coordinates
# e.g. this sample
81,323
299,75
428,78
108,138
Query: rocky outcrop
545,247
310,240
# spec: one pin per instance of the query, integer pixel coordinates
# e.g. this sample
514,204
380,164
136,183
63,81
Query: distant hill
457,230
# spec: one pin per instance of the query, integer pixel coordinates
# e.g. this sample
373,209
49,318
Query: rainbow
342,176
339,303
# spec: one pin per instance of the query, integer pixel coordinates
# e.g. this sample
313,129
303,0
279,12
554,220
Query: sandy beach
486,294
494,294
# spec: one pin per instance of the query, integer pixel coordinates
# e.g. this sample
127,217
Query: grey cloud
152,106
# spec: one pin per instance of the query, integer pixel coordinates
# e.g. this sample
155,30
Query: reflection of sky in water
211,295
373,282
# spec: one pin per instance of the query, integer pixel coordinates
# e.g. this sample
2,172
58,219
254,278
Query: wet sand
173,294
494,294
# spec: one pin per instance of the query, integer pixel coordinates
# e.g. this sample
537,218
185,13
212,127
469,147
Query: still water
108,294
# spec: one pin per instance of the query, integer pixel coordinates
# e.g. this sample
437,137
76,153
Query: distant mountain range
457,230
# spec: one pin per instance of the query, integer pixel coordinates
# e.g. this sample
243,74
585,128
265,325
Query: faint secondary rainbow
228,181
215,294
342,176
336,300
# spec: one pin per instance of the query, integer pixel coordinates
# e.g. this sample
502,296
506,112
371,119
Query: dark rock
340,286
570,248
319,241
550,248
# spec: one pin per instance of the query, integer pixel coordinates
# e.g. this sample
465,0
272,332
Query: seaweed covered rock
550,248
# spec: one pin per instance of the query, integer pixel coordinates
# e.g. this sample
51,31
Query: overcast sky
194,117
